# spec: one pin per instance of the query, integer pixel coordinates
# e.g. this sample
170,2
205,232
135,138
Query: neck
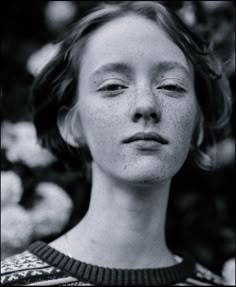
125,224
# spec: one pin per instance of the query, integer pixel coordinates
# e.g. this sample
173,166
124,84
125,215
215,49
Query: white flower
11,188
59,13
41,57
20,142
228,272
187,13
225,152
30,153
16,230
7,134
52,211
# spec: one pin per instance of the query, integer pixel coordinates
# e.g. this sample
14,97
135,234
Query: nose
146,107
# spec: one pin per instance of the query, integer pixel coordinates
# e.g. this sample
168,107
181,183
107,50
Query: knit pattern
27,269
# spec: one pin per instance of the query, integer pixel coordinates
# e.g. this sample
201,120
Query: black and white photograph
118,143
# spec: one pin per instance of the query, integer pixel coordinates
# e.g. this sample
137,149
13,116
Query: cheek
179,124
99,126
183,120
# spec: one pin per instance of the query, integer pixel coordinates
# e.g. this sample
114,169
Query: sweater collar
111,276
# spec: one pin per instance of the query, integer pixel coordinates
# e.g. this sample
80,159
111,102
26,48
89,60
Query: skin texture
108,117
124,226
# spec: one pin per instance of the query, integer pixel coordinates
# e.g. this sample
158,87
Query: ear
64,124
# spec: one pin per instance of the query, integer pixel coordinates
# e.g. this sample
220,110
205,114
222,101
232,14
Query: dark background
201,216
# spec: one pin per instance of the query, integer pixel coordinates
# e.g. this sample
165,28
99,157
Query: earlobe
64,124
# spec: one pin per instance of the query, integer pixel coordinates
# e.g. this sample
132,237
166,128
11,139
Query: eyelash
108,87
169,87
114,89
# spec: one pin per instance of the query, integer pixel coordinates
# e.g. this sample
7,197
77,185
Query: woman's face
136,101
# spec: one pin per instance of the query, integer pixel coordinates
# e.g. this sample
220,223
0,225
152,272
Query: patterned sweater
42,265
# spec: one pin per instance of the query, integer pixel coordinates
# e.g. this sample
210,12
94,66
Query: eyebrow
112,67
166,66
163,66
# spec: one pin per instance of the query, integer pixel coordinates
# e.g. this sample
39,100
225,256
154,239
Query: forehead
132,39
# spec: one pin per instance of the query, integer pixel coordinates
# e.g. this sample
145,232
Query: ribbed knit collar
111,276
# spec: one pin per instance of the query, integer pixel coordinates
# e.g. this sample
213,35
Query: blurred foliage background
201,211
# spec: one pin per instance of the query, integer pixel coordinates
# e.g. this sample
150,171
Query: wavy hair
56,85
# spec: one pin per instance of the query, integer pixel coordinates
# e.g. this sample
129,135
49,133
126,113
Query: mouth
146,137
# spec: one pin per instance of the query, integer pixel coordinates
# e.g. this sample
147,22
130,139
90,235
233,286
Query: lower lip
147,145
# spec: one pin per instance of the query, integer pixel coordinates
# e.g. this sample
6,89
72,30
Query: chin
150,173
145,178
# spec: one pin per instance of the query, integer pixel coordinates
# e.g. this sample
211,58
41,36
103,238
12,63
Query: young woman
122,98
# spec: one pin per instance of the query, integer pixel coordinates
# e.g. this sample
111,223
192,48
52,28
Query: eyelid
110,82
173,82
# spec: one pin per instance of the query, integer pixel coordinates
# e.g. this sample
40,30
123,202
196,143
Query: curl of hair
57,84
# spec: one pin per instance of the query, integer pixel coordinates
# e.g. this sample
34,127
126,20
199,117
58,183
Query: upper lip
151,136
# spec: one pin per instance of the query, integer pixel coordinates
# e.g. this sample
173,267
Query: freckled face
134,78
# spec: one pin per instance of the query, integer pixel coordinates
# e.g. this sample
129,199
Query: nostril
138,116
154,116
146,116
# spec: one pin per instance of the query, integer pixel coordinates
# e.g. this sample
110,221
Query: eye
112,87
171,88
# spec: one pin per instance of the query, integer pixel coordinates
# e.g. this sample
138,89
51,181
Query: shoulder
24,268
204,277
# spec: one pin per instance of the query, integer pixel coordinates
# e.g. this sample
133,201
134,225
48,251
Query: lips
152,136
